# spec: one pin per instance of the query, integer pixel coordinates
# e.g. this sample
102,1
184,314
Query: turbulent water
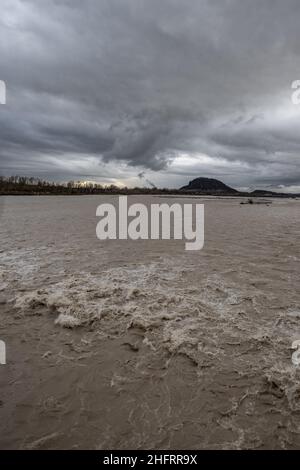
141,344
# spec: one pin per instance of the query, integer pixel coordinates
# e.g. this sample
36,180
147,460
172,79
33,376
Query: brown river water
168,349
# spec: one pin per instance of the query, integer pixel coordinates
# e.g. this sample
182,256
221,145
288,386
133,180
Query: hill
209,186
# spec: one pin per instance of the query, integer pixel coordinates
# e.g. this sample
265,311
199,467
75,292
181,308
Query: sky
134,92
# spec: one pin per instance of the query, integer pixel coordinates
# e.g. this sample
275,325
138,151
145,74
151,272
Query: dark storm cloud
105,86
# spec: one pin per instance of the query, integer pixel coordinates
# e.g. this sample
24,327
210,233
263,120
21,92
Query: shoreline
162,194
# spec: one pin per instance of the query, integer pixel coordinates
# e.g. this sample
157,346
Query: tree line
24,185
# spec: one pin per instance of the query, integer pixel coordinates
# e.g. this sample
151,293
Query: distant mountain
213,187
266,193
208,186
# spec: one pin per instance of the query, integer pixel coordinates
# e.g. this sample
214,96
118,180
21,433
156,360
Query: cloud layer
107,89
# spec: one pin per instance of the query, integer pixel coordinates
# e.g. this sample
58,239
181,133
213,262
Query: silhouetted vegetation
22,185
30,186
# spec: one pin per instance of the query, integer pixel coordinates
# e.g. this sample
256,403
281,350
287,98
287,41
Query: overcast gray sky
107,90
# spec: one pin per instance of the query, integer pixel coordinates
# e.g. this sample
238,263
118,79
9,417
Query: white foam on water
204,321
67,321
